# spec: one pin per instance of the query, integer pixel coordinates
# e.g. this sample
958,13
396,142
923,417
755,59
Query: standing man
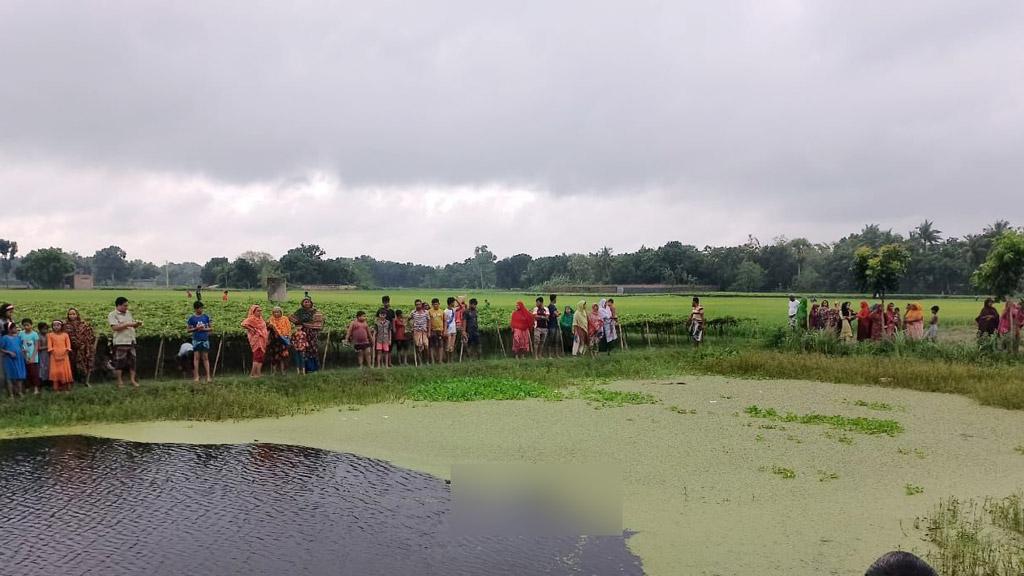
554,333
696,322
123,325
794,307
385,305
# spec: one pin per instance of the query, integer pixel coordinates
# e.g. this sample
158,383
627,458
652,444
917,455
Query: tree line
934,264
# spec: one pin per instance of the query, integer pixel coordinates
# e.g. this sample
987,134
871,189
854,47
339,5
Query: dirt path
694,490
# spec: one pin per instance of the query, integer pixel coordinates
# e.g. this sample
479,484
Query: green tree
8,250
110,265
879,270
926,233
511,272
214,270
304,264
749,277
483,260
45,268
1003,269
244,273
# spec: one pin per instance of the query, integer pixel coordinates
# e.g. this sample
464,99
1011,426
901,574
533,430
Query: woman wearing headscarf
988,319
608,334
812,322
6,317
256,330
864,322
824,315
801,314
565,323
594,325
580,323
875,321
279,340
59,345
311,322
846,317
82,344
914,322
892,318
522,325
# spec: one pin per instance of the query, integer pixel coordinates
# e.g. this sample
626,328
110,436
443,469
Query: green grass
780,471
238,397
912,489
975,540
880,406
605,398
838,422
826,476
480,388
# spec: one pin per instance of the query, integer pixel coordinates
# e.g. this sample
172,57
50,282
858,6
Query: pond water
80,505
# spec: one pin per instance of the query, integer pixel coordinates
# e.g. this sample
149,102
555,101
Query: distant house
82,282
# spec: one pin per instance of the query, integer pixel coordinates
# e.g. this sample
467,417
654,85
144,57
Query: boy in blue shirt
200,325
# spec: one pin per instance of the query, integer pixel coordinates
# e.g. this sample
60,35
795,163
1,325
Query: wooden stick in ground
501,343
216,361
323,363
92,365
159,358
647,330
462,347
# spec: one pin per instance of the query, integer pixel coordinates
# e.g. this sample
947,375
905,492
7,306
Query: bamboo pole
462,347
647,333
92,365
323,363
216,361
159,358
501,343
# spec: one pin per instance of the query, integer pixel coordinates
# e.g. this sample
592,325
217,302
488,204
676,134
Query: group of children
35,355
435,333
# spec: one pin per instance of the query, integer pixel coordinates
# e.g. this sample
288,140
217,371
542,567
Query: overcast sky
417,130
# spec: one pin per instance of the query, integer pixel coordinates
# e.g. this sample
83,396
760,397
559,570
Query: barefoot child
451,329
696,321
400,340
471,318
199,326
358,335
933,326
436,331
14,361
44,354
59,344
30,346
382,339
420,331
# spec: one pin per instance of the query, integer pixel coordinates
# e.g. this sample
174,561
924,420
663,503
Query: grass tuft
912,489
973,540
473,388
846,423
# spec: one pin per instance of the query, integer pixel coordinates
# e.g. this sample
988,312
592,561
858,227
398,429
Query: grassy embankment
994,383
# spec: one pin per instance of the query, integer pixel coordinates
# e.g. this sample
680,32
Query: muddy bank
698,488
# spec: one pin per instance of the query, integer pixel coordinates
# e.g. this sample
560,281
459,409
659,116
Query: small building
82,282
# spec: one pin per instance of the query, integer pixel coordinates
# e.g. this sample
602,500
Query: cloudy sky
417,130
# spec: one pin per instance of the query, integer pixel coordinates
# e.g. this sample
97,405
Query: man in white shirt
793,307
123,325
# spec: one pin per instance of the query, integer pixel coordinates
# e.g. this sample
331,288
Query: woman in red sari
876,320
522,325
864,322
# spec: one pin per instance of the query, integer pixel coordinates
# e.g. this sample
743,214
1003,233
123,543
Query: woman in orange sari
59,344
256,330
522,324
913,322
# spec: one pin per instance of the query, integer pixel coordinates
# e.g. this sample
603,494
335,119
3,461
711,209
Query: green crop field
164,311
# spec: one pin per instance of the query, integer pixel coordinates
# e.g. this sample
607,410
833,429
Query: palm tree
996,228
927,233
975,248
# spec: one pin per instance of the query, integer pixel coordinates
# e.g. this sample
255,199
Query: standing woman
565,324
59,344
311,322
280,340
522,324
988,319
876,322
594,325
608,334
914,322
864,322
256,330
892,317
82,344
579,329
846,317
812,322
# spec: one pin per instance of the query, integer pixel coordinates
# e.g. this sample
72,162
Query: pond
82,505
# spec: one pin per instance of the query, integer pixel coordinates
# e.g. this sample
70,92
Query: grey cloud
848,105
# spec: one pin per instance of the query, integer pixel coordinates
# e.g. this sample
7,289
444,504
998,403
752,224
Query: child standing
399,337
420,330
382,339
44,354
59,344
540,332
30,347
451,329
436,331
697,322
300,344
358,335
933,326
471,317
199,326
14,361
